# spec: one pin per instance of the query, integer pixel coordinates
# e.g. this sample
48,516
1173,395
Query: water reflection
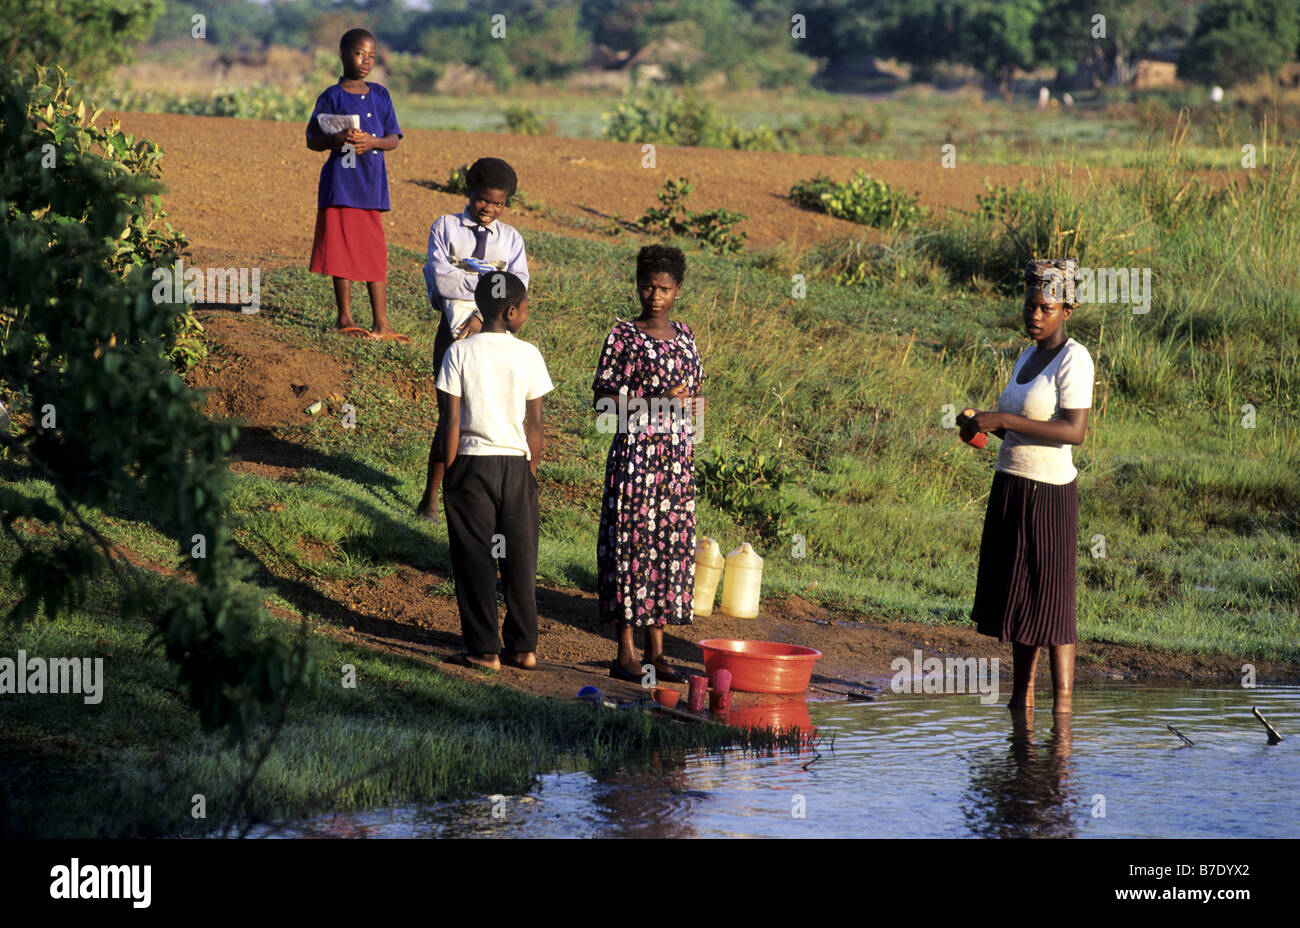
786,715
928,766
1026,792
651,802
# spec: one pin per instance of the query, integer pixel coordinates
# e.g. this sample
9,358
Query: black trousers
441,342
491,506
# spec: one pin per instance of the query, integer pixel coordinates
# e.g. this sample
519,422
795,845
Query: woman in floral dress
647,389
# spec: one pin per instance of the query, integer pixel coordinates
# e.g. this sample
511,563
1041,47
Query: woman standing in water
1025,590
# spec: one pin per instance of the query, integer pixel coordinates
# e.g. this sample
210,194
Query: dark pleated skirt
1025,589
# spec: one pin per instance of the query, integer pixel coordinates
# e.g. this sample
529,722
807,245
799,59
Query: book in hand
478,265
334,123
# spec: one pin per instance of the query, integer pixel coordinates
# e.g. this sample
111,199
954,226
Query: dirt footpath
398,615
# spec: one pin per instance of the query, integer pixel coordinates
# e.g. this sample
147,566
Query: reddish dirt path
248,188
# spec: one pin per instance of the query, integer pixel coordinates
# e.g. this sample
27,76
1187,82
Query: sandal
392,337
354,331
618,673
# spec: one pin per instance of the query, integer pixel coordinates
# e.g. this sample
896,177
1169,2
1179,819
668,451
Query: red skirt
350,244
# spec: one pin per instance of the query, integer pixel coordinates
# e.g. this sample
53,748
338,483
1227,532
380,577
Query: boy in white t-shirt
491,385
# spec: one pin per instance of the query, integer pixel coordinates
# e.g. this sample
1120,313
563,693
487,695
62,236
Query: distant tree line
752,42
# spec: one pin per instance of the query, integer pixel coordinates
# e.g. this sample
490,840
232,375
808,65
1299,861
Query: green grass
405,733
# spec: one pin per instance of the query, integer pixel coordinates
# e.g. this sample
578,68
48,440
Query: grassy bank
405,733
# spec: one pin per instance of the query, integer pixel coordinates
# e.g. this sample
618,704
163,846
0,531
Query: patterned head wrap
1056,278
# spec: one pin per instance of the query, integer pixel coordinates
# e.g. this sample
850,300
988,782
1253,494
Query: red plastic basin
760,666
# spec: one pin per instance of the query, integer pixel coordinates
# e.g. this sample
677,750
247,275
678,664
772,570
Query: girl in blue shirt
350,243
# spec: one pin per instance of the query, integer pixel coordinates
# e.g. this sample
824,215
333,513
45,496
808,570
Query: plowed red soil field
242,188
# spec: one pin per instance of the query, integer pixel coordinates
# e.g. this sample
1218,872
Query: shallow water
931,766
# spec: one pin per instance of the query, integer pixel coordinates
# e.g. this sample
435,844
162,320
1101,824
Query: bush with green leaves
715,228
861,199
147,236
95,34
1238,40
103,417
850,132
1016,224
409,72
523,121
662,116
1001,201
254,102
750,486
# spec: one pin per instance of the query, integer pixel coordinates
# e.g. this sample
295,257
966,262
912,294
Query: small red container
699,693
719,703
665,696
722,681
979,439
760,666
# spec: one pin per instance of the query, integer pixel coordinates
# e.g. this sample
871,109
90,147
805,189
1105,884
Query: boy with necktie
462,246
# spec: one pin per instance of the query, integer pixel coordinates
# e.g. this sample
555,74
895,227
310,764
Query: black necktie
480,242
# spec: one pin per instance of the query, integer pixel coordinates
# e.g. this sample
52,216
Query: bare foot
428,509
486,661
524,660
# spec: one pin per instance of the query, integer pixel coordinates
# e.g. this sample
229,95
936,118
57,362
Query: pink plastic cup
722,680
699,692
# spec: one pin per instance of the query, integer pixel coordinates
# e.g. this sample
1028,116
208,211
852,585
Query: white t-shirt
494,374
1065,383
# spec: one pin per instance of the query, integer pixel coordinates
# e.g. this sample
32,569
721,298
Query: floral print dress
645,553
